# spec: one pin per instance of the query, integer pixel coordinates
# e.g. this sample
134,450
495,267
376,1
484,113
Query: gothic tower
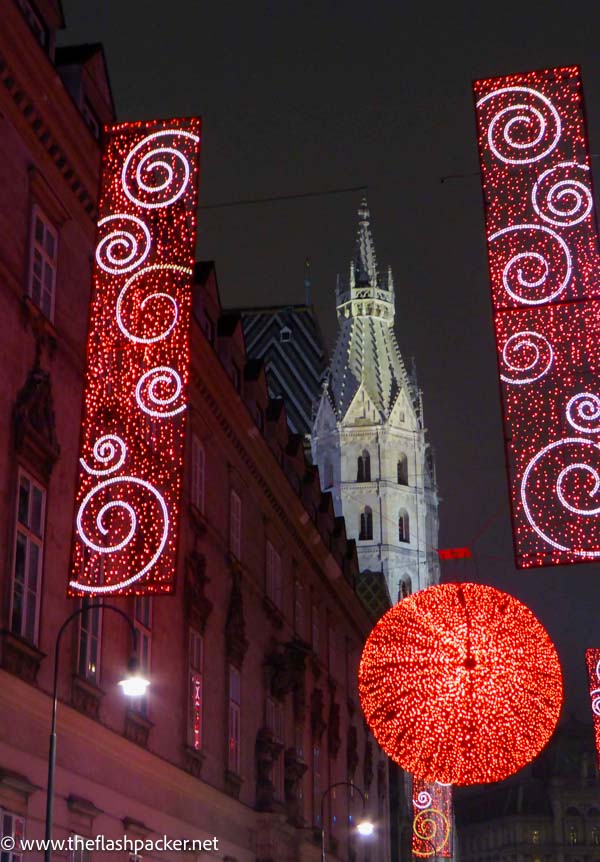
368,437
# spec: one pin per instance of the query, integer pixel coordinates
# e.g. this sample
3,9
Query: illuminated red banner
592,658
545,280
432,819
130,469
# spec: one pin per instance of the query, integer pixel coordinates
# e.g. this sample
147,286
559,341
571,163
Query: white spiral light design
566,202
105,449
515,263
515,348
157,295
595,695
164,159
124,240
519,114
584,407
108,548
148,382
586,447
423,800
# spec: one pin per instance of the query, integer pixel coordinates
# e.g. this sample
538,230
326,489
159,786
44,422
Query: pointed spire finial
307,283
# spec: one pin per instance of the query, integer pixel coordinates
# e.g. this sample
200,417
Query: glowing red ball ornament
460,684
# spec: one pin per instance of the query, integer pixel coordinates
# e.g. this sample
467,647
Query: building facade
252,712
369,440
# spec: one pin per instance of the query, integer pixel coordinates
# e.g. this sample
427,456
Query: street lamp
133,685
364,827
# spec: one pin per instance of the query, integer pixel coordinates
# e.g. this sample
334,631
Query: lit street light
364,827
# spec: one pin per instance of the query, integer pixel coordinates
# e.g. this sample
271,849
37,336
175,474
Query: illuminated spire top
365,260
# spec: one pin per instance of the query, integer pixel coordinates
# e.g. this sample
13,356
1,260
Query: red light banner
543,260
432,819
130,469
592,658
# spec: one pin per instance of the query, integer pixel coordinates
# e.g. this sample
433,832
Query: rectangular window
196,649
233,755
79,853
11,826
331,651
274,585
197,473
42,263
88,659
316,630
235,525
274,719
143,626
299,609
316,777
28,553
91,119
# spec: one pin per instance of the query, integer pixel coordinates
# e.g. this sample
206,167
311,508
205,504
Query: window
91,120
363,468
274,721
366,525
299,741
596,836
316,777
88,659
535,836
36,24
236,377
11,826
573,835
143,626
197,473
403,470
42,264
299,609
403,526
316,630
196,649
331,651
27,567
233,754
327,474
285,334
274,585
235,524
79,853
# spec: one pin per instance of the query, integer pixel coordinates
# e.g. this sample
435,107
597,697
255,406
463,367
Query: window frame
274,717
235,524
37,540
195,690
197,473
17,831
143,628
274,575
93,677
234,720
37,212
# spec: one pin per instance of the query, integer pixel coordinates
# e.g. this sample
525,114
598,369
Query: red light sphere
460,683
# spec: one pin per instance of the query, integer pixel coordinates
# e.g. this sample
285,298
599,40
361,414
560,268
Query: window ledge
41,325
193,760
19,657
137,728
86,696
233,783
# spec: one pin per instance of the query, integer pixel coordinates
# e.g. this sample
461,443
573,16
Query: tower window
366,525
403,526
285,334
363,469
403,470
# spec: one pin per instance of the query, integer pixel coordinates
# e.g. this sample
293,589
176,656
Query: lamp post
364,827
133,685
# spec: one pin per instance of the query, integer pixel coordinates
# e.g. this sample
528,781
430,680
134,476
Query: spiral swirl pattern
573,526
423,800
527,356
433,829
528,276
518,133
106,448
103,544
121,250
563,202
595,695
160,172
583,412
147,392
157,301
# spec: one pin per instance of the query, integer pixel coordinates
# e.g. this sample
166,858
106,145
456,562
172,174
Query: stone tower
369,440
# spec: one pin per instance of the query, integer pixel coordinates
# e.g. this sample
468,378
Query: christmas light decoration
131,462
460,684
432,819
543,260
592,658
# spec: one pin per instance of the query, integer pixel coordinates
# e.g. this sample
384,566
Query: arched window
402,469
327,474
404,588
403,526
363,470
366,524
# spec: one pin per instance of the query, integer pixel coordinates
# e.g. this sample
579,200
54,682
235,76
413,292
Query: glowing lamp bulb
134,684
365,828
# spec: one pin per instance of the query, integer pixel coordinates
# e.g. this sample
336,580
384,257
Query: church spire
365,261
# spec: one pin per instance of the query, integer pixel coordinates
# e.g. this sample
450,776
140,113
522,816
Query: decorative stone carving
294,770
266,750
34,422
19,657
233,784
197,604
235,627
333,730
317,722
285,667
352,752
193,761
368,764
137,728
86,697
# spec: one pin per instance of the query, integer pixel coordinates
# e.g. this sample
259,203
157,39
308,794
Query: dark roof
202,270
275,408
252,369
526,797
76,54
227,325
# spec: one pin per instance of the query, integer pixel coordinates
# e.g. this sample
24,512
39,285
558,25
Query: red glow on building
543,262
130,469
432,819
460,684
592,659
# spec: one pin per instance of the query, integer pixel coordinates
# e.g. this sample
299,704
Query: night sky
311,96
